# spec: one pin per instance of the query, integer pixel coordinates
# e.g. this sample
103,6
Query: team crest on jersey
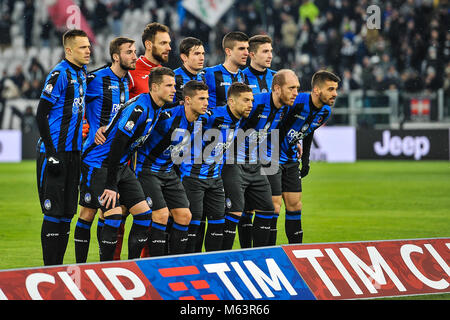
81,91
87,198
122,97
47,204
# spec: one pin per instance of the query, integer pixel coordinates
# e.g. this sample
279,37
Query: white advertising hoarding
10,146
334,144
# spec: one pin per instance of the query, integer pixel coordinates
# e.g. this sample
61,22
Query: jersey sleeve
54,87
131,119
92,91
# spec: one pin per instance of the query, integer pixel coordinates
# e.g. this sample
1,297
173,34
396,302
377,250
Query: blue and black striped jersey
105,94
215,131
181,77
259,81
257,128
301,119
169,139
219,80
65,89
136,119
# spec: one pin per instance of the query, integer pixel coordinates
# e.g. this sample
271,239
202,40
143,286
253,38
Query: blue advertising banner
251,274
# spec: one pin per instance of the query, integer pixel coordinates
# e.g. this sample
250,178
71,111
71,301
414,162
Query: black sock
50,239
64,232
214,235
245,227
261,228
139,234
100,224
293,226
168,230
82,237
229,230
200,236
108,239
273,230
178,238
193,230
157,243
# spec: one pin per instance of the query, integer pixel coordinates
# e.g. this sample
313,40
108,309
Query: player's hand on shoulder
99,135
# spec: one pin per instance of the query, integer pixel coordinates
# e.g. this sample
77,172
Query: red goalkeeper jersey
139,77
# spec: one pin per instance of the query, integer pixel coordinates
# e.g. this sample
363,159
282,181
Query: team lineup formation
194,155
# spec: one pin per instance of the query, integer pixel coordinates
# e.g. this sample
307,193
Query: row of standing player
104,159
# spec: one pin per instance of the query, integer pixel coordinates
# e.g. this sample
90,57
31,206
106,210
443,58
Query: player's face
196,58
243,104
328,92
289,90
199,102
79,51
263,56
239,53
127,56
166,89
161,47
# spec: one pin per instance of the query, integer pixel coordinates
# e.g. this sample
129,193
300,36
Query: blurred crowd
410,51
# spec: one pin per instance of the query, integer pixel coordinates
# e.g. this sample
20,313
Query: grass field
366,200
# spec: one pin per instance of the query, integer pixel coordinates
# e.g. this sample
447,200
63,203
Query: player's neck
190,70
118,71
276,101
159,102
230,66
316,101
258,68
191,116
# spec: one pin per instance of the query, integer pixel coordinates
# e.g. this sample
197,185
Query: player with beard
309,112
156,41
107,91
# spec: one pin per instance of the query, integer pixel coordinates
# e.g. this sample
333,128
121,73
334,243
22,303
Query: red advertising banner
373,269
105,281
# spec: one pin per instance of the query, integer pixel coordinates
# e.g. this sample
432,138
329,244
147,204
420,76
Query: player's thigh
152,187
259,194
92,186
214,201
195,192
173,192
130,190
233,187
292,201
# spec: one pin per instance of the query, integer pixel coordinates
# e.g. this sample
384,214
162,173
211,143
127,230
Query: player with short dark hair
126,133
156,41
168,143
309,112
220,77
107,91
201,175
59,117
192,54
258,73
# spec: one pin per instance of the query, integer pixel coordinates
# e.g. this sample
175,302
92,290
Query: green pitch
366,200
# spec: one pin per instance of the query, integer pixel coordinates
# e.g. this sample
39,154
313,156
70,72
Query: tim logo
227,276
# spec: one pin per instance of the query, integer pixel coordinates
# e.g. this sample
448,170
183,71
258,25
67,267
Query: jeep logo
408,146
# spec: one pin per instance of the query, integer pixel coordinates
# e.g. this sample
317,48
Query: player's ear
183,57
227,51
148,44
115,57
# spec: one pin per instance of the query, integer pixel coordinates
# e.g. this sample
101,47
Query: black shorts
205,195
163,189
246,188
287,179
93,184
58,194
